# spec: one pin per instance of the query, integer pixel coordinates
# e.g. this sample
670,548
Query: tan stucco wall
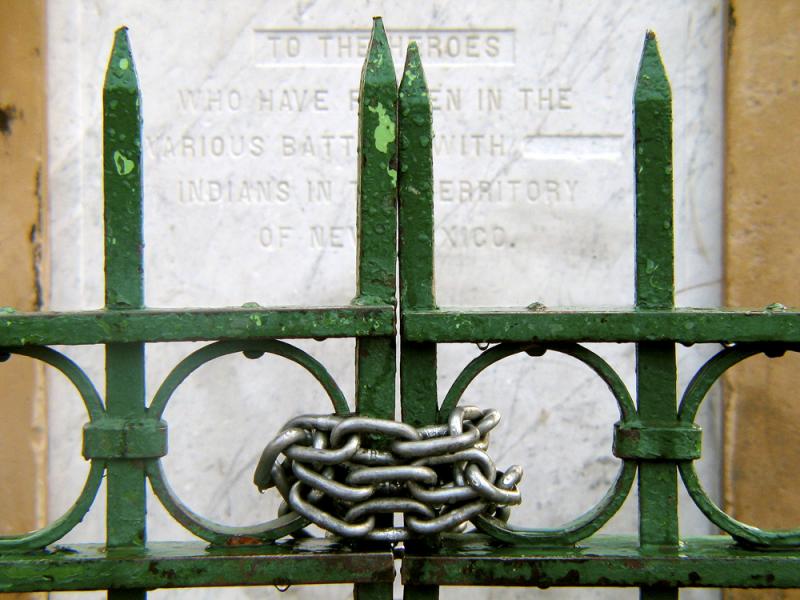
23,439
762,407
22,151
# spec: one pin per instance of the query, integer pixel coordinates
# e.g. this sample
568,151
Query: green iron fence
656,437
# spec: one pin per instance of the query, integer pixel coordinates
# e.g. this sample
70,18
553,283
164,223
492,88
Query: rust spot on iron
633,563
243,540
165,573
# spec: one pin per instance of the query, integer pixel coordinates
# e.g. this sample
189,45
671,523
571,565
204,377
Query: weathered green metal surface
193,564
593,519
94,408
377,222
656,369
693,396
637,441
418,389
226,535
656,377
613,561
652,116
122,179
377,174
125,389
415,180
377,242
125,438
123,326
681,325
415,249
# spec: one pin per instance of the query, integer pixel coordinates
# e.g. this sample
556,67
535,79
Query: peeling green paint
122,163
603,560
193,564
385,130
376,357
124,326
681,325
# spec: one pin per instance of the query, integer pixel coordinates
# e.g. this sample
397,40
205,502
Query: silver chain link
438,476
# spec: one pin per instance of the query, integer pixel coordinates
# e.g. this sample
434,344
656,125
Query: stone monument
250,164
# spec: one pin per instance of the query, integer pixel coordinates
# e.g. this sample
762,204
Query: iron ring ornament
286,524
694,395
94,407
592,520
208,530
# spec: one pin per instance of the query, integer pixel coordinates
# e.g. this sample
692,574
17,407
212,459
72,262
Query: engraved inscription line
338,47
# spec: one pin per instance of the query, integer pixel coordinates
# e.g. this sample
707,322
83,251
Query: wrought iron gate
656,437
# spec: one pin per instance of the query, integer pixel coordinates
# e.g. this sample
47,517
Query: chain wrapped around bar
438,476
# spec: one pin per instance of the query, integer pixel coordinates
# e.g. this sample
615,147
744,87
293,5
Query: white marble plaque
250,164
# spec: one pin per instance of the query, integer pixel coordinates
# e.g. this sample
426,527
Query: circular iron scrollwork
589,522
206,529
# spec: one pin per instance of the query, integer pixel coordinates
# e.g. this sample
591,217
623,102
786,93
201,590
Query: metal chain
438,476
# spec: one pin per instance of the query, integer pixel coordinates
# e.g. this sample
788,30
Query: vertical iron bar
415,200
125,393
377,241
377,221
656,372
418,392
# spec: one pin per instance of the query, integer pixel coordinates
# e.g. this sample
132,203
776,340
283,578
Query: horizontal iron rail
178,325
603,560
681,325
192,564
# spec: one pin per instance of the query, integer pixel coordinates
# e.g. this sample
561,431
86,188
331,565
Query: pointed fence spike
120,72
377,177
122,178
377,223
378,68
418,389
652,107
656,372
125,369
415,186
376,357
